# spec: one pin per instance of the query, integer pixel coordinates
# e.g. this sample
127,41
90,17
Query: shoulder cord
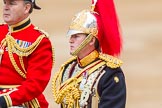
12,45
53,56
69,90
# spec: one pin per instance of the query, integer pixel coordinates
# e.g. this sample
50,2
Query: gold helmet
83,22
100,21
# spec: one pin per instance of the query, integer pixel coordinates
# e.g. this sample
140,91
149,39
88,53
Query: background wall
141,22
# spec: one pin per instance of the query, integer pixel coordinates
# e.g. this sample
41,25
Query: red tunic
38,66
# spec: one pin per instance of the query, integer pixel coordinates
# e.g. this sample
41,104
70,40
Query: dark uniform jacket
96,81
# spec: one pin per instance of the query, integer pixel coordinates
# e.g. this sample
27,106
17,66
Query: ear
92,42
27,8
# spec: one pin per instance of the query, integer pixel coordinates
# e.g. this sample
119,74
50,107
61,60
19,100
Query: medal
84,80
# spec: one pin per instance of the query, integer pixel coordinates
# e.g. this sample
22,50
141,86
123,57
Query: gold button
116,79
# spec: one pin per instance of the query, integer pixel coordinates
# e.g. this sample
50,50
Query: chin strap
82,45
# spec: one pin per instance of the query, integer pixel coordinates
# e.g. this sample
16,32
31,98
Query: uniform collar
20,26
88,59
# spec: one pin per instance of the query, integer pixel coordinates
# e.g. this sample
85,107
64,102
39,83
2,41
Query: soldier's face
14,11
75,40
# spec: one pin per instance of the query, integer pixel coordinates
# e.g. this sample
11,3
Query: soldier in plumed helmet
26,57
92,77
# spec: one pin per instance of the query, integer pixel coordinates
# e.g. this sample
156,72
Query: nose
6,6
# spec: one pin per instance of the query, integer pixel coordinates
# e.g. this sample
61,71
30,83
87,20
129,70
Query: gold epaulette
111,61
69,60
42,31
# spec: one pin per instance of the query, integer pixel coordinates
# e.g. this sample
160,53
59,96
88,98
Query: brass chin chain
83,44
13,47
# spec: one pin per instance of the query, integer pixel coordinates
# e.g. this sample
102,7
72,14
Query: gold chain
83,44
14,47
70,91
22,63
23,51
53,55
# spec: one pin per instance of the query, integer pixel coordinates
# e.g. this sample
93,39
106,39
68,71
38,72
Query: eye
74,36
4,1
77,36
9,3
12,3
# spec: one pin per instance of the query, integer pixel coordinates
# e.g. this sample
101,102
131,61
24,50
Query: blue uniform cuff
3,103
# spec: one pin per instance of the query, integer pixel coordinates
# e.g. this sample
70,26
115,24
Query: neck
20,26
92,56
84,52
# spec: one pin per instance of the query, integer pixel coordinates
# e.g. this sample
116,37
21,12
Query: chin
71,52
6,21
